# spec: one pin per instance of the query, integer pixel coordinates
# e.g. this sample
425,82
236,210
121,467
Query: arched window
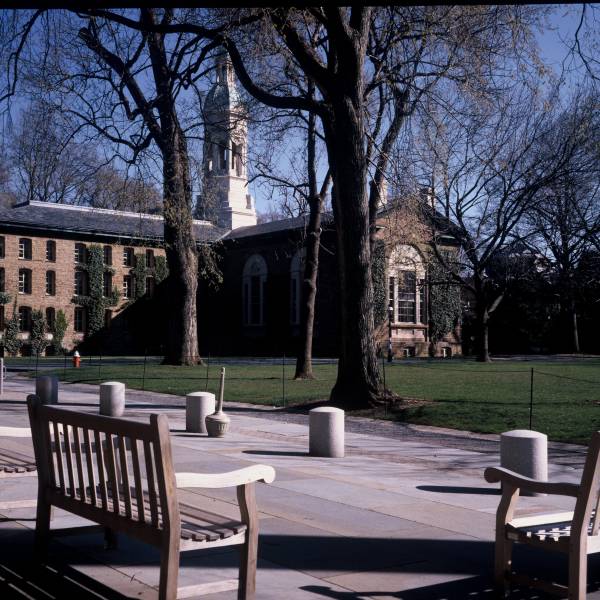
296,274
253,290
406,285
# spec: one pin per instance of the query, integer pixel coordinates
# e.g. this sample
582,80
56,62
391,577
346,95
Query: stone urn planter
217,424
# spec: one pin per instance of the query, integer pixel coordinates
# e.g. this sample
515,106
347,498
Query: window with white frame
24,248
50,283
406,290
80,283
24,318
24,281
79,253
127,287
253,290
128,257
296,274
50,250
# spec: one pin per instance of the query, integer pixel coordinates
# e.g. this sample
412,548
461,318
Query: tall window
107,317
24,318
406,290
51,251
2,246
106,284
150,259
79,253
50,283
296,272
25,248
253,290
2,322
2,280
407,297
80,283
50,318
79,320
127,289
108,255
24,281
128,257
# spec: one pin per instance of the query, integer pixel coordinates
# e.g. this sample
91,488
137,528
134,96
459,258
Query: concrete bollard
198,405
526,453
112,398
326,432
46,389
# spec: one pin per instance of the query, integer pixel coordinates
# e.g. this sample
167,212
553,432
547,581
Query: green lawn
459,393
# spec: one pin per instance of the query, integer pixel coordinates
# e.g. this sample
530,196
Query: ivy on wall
59,330
140,271
161,270
5,298
95,302
378,271
444,301
38,332
11,340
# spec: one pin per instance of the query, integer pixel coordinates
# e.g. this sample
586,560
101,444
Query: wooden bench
119,474
576,533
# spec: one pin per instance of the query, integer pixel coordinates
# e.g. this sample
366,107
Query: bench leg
169,569
503,566
249,551
577,574
42,528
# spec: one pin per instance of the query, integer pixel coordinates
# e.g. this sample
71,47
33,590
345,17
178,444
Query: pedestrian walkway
407,514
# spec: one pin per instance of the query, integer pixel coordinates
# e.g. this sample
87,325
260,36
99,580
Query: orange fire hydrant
76,359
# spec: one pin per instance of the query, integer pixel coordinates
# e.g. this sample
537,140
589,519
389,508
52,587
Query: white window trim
405,258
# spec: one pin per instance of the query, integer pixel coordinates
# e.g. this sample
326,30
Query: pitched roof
275,226
84,220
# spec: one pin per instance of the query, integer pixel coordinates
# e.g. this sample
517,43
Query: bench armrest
498,474
230,479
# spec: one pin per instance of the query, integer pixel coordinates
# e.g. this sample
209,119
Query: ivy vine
5,298
378,269
140,272
11,340
444,301
161,269
95,302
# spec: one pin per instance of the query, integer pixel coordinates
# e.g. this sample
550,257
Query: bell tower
226,200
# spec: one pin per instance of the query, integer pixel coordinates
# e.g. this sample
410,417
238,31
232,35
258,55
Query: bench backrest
113,471
588,502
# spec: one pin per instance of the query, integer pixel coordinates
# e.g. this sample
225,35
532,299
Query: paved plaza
406,514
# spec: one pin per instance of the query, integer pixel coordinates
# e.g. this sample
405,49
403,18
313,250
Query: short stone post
46,389
326,432
198,405
526,453
112,398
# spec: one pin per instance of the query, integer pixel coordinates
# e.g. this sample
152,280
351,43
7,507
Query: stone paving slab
406,514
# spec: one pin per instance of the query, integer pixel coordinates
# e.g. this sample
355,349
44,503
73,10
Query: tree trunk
182,257
575,329
358,382
483,353
309,291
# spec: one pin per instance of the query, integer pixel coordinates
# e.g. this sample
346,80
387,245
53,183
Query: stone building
256,310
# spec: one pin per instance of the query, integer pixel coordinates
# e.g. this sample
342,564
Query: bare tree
488,170
127,81
565,223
